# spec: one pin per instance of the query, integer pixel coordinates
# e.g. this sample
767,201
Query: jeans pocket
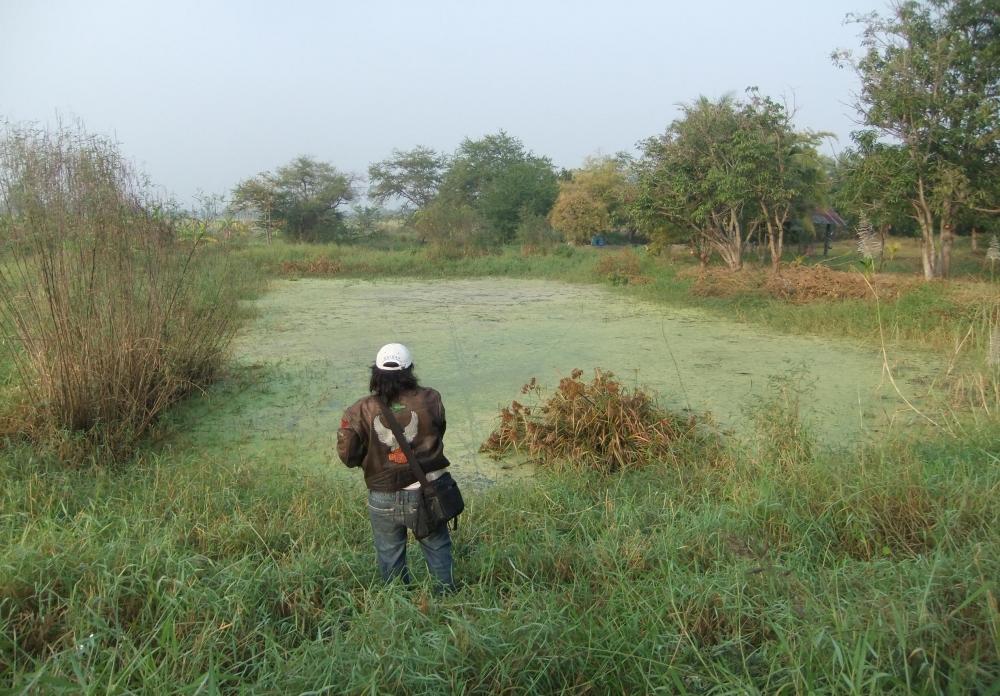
381,504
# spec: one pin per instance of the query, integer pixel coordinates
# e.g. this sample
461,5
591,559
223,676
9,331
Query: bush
536,236
601,425
114,320
622,268
452,230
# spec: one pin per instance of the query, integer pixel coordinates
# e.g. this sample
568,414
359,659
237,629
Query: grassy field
764,564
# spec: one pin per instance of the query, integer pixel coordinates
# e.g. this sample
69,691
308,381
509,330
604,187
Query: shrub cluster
600,425
113,319
622,268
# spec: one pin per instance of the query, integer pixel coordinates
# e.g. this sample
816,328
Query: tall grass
109,320
764,567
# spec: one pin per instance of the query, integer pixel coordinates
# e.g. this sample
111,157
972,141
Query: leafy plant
303,197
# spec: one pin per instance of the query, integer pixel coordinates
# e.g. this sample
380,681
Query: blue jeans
391,514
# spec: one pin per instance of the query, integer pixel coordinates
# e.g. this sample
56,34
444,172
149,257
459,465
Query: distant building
827,220
828,224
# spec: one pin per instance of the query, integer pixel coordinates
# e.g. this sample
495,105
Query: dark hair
389,384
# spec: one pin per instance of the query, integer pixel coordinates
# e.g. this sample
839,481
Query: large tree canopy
412,176
502,181
873,180
691,180
790,179
930,81
593,200
303,196
726,170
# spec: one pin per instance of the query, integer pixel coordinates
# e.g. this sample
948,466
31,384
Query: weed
601,425
781,436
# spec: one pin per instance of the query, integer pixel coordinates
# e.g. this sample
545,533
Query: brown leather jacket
364,440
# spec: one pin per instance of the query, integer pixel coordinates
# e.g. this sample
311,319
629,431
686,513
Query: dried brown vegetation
621,268
797,284
110,320
600,425
321,266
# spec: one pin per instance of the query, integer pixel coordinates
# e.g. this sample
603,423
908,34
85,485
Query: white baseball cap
393,356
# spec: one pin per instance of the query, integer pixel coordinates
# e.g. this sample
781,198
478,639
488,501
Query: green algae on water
478,341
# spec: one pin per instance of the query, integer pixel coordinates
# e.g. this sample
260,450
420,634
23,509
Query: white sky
204,94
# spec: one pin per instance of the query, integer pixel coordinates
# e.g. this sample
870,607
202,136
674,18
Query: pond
477,341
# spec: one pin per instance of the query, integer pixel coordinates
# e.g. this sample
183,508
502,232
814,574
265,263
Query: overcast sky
203,94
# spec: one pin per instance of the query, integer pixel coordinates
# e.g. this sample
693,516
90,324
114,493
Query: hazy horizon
202,97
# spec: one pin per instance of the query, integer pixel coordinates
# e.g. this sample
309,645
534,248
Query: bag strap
403,444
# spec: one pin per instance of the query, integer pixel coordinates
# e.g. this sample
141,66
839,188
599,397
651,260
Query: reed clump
600,425
110,318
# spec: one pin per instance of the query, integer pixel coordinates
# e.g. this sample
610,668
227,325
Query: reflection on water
478,341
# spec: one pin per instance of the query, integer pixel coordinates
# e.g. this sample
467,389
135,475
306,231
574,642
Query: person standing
394,495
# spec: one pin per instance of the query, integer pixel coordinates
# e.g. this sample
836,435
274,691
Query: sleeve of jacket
352,441
438,410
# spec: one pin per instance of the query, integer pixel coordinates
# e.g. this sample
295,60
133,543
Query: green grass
769,566
754,569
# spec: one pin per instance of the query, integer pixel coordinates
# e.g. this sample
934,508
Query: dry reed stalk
109,321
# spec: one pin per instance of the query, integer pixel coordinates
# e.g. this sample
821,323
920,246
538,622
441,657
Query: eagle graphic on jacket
385,436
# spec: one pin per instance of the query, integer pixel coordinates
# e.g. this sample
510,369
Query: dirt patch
798,284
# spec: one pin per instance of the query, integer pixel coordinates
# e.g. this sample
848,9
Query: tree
259,196
501,181
726,170
304,196
364,220
930,81
412,175
788,179
578,214
873,180
454,229
593,199
693,180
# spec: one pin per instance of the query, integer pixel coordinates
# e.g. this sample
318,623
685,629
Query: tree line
725,174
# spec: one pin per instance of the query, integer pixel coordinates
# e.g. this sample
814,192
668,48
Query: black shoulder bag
442,501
